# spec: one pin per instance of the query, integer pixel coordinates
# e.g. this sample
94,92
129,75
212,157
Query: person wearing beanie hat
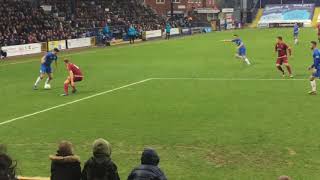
101,146
148,170
100,166
65,165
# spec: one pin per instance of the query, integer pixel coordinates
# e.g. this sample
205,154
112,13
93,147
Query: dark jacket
148,170
65,168
7,167
100,167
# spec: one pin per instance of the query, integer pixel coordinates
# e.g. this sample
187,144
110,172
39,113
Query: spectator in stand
65,165
3,54
100,166
7,167
132,32
148,170
168,30
24,22
284,178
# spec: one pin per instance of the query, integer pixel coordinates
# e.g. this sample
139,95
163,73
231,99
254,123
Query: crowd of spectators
23,22
66,165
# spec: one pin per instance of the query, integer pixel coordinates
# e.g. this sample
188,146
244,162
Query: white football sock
38,81
47,81
296,41
313,85
246,60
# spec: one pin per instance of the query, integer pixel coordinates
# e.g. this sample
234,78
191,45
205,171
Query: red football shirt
75,70
318,29
282,49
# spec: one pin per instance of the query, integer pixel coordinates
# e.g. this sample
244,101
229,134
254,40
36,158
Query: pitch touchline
35,60
228,79
72,102
132,84
84,52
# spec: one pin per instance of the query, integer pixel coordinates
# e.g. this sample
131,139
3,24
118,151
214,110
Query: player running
242,51
75,75
45,67
283,51
296,30
315,68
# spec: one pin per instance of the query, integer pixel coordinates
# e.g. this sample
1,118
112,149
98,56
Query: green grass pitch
222,127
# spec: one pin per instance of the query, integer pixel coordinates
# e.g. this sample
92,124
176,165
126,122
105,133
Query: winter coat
148,170
65,168
100,167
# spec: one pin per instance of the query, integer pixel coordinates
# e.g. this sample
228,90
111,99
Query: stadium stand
259,13
316,17
24,22
266,2
21,23
92,14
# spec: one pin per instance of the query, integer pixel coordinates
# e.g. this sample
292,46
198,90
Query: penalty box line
73,102
133,84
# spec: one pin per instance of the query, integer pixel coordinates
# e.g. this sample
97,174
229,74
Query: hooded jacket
65,167
100,166
7,167
148,170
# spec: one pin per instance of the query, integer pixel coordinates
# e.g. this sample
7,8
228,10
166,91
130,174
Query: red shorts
282,60
77,79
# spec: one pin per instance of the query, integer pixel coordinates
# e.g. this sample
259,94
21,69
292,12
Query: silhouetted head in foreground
7,167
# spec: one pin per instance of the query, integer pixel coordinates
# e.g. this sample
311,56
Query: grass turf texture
202,129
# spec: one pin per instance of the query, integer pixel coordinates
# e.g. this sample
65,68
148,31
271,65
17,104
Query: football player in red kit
75,75
283,51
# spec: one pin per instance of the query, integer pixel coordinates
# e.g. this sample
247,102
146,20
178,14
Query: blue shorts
316,74
45,69
242,51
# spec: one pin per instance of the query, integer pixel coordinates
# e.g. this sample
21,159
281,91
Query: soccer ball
47,86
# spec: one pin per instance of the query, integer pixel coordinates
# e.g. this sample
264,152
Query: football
47,86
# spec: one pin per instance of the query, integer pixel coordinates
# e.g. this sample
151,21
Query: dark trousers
3,54
132,38
167,35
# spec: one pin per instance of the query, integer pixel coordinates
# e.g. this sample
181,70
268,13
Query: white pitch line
229,79
72,102
35,60
139,82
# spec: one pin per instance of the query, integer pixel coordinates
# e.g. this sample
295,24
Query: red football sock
289,69
280,69
66,87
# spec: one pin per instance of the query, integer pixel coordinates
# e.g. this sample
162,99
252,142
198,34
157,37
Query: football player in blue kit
45,67
315,68
296,33
242,50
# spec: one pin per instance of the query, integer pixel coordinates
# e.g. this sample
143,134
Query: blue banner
287,12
